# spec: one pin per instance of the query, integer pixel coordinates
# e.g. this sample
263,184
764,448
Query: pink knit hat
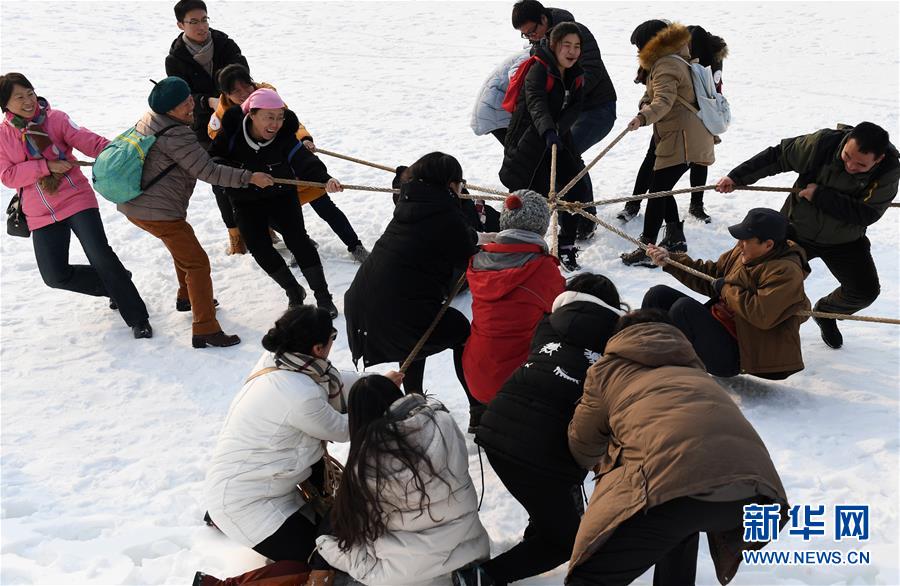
262,98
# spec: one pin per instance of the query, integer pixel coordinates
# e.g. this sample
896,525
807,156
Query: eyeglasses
195,21
533,30
333,335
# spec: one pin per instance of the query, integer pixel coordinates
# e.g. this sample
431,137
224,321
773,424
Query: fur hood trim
668,41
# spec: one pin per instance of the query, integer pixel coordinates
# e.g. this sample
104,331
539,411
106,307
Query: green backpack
118,168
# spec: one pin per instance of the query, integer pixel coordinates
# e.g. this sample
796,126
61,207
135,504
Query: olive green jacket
843,204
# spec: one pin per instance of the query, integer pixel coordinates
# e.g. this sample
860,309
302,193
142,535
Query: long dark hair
378,451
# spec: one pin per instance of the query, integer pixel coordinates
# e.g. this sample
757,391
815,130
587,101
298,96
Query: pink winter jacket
17,171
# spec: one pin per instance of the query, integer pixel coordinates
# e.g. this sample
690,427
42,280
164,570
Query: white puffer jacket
271,437
488,113
421,548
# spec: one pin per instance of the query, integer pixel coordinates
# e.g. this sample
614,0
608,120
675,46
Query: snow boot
831,335
674,240
143,330
696,210
359,252
235,242
568,258
295,292
315,276
631,209
216,339
638,257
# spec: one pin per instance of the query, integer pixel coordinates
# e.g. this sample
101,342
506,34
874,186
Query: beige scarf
202,54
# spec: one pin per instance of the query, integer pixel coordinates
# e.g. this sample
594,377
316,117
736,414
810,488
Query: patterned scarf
318,369
202,54
36,141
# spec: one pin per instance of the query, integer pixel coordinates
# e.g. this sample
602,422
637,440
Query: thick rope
654,195
421,343
355,160
551,201
300,183
571,208
584,171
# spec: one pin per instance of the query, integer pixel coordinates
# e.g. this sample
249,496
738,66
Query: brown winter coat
764,295
168,198
655,427
669,103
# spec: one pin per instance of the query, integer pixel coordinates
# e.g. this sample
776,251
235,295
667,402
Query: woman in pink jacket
36,160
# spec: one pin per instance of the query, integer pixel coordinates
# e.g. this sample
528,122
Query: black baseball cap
762,223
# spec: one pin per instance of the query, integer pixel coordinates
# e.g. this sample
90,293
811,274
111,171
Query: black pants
104,277
698,176
226,209
554,518
282,212
414,380
294,540
715,345
336,219
666,536
661,208
852,265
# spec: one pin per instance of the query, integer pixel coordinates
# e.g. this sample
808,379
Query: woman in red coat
514,281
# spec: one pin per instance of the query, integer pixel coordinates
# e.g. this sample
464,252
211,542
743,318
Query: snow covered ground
105,439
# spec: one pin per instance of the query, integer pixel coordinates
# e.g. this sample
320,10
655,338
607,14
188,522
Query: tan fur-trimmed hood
666,42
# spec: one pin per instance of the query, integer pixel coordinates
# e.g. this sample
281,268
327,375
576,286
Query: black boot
831,335
632,208
674,240
697,211
638,257
315,276
296,294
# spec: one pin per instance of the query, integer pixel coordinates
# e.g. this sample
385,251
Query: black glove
551,138
717,286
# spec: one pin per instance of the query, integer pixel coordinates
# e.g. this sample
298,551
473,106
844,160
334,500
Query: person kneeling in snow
406,511
523,431
274,436
513,281
750,324
673,455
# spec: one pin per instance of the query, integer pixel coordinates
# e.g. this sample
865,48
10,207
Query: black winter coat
231,148
528,420
399,289
598,87
179,62
526,158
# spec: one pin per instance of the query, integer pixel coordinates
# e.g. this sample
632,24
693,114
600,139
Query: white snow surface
105,439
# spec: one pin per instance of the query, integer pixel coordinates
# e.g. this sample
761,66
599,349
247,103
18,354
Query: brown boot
235,242
320,578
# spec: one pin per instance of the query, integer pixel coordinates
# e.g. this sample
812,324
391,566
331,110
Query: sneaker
475,413
185,304
217,339
631,209
142,330
831,335
568,258
697,211
472,576
359,253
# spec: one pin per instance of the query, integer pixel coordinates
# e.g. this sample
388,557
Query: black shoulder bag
15,218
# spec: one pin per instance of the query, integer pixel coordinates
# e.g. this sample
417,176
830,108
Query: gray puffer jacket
168,198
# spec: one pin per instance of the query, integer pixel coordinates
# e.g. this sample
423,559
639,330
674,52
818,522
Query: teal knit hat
167,94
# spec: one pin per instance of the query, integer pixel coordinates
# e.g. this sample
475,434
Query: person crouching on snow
513,281
273,436
750,324
260,135
406,512
523,431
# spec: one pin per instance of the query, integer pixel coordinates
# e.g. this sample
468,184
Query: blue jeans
104,277
591,127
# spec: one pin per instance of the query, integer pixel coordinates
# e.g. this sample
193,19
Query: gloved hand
717,286
552,138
